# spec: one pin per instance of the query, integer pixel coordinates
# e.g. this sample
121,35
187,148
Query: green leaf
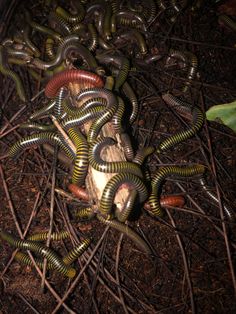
225,114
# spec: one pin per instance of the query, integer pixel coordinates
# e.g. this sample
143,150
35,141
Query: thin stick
81,272
27,302
12,119
10,202
63,133
117,274
231,266
186,268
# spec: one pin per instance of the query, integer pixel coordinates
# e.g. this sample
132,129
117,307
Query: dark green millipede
119,62
37,126
72,255
197,122
74,110
118,115
129,93
70,18
59,23
112,186
28,41
143,153
38,139
81,160
99,164
85,213
161,175
42,236
42,250
15,77
135,237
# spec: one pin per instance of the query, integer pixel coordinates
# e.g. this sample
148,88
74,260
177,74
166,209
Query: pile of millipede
87,51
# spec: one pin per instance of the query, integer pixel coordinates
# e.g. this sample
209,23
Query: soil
193,248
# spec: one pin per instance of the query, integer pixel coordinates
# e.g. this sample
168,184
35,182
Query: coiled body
130,94
161,175
42,250
72,76
114,183
109,167
85,213
196,124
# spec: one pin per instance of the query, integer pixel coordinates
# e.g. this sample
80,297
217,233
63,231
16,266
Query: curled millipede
42,250
161,175
112,186
109,167
197,122
85,213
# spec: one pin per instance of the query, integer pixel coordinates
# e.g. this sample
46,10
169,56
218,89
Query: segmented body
161,175
109,167
42,250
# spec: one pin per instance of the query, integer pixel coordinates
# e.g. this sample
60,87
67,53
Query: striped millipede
57,22
226,20
161,175
85,213
38,139
127,18
72,255
190,64
15,77
135,35
92,45
69,76
168,200
229,212
119,62
43,236
127,146
109,167
81,160
127,231
70,43
37,126
42,250
28,41
143,153
40,28
129,93
118,115
49,48
58,109
44,110
112,186
70,18
84,107
196,124
80,118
